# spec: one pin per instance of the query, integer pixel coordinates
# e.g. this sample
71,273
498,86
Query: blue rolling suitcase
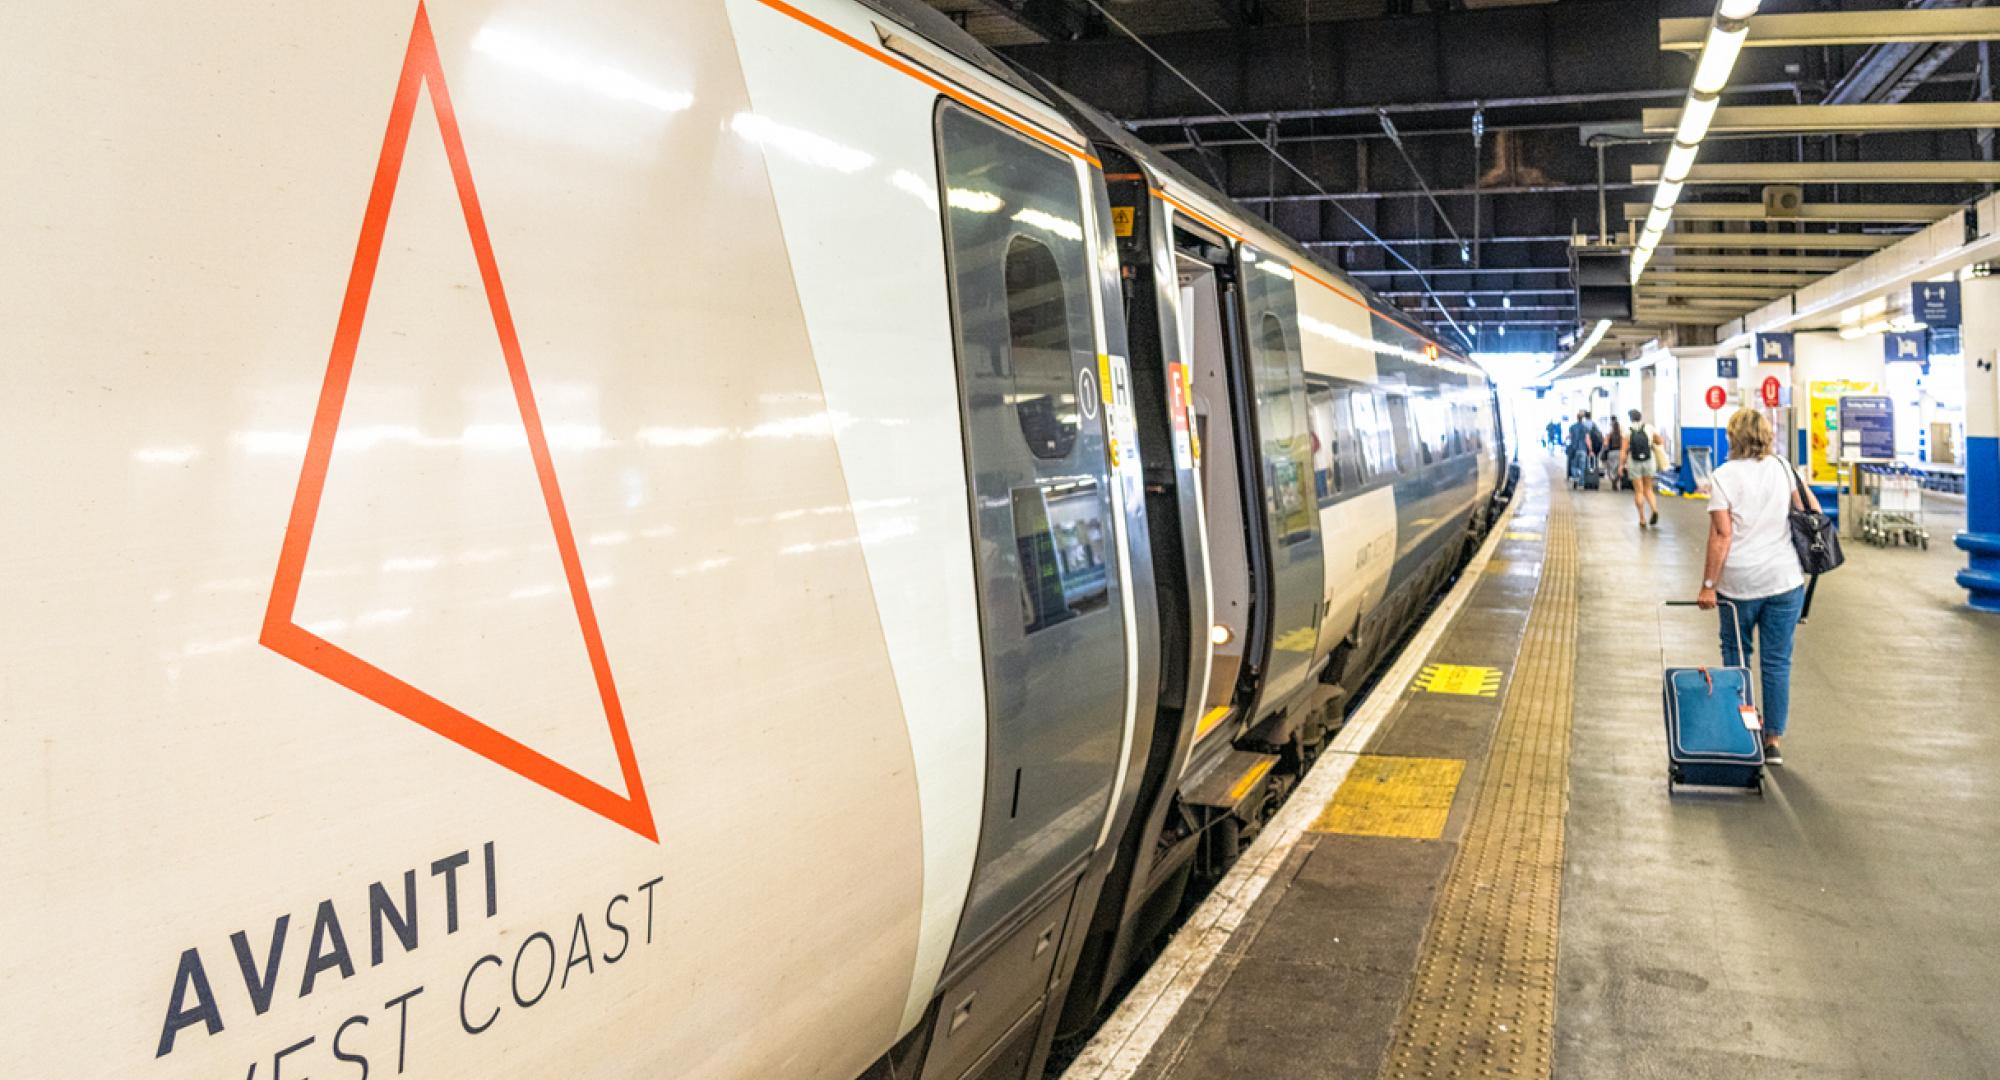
1710,712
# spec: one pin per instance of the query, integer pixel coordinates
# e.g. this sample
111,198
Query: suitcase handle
1735,624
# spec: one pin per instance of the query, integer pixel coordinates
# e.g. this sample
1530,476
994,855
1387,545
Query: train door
1208,308
1046,547
1283,450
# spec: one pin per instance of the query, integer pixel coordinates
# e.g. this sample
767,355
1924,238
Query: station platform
1486,875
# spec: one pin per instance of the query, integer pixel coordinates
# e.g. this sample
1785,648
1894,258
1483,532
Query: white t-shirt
1757,493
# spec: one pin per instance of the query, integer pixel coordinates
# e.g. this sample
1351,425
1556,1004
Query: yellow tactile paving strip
1404,797
1484,999
1459,679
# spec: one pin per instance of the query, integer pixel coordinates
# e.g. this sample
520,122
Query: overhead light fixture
1727,33
1472,301
1696,117
1507,302
1718,57
1583,349
1680,164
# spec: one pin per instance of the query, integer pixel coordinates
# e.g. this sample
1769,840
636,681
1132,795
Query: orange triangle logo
283,635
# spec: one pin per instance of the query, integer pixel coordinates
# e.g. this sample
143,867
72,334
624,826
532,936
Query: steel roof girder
1836,119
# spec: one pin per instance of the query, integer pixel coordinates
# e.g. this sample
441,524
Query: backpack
1638,443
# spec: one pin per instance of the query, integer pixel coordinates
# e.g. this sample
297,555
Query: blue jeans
1767,625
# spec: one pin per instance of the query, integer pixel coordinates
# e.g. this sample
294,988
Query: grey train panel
1046,554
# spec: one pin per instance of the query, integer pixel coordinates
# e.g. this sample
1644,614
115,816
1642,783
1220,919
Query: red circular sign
1715,397
1771,391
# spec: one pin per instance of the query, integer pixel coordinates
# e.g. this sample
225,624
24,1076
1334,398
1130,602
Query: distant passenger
1752,564
1554,436
1614,451
1641,462
1577,443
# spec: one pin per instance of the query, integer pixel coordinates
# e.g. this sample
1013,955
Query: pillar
1981,538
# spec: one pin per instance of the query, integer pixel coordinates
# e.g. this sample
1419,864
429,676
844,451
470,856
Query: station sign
1613,372
1725,366
1936,303
1773,391
1913,346
1776,348
1716,397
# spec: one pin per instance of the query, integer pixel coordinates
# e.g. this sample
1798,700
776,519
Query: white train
739,538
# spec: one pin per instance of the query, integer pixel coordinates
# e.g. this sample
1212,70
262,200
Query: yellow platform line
1407,798
1484,998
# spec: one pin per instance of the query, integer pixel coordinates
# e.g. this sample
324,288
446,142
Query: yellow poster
1824,422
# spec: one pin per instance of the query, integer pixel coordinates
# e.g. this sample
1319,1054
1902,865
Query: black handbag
1815,539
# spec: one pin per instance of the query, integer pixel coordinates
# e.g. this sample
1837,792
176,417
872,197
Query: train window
1400,431
1063,541
1038,349
1369,428
1326,437
1287,442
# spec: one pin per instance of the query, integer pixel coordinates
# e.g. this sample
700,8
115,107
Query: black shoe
1656,517
1772,756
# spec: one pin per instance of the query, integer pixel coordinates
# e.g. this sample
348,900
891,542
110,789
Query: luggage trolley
1895,513
1710,713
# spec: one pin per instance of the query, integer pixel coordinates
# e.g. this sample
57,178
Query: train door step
1234,781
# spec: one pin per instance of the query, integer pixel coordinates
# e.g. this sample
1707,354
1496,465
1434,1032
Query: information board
1868,427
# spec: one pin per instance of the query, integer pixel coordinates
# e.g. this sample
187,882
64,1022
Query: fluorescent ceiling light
1680,163
1667,195
1583,349
1737,9
1657,220
1718,59
1695,119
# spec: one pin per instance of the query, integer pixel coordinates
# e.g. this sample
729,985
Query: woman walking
1641,462
1753,565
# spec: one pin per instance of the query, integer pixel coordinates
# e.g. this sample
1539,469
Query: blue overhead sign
1775,348
1912,347
1725,366
1945,341
1935,303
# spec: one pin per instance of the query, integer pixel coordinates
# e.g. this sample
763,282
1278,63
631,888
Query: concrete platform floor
1845,925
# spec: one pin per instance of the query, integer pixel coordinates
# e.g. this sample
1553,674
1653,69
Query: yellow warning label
1122,219
1524,536
1457,679
1401,797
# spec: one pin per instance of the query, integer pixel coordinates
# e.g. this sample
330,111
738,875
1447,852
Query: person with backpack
1640,461
1753,563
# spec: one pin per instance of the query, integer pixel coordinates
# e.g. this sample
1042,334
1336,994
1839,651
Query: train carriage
739,538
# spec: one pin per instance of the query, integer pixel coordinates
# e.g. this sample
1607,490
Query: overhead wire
1270,147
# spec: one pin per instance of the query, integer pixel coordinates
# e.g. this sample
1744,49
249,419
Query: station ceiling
1467,135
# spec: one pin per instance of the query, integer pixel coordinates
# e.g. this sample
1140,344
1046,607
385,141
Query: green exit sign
1613,372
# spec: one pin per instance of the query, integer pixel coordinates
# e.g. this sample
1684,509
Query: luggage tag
1750,718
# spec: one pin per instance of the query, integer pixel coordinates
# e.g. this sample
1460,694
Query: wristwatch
1707,584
